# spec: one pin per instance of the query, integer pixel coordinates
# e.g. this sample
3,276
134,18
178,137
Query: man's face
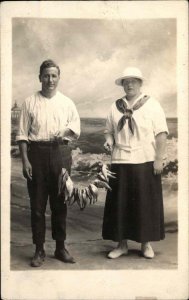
49,79
132,86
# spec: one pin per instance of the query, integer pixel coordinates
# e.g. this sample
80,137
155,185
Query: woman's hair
48,64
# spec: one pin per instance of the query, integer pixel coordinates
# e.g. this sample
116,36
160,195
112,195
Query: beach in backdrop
84,227
88,149
92,138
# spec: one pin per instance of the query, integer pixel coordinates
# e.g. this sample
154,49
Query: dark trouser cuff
60,245
39,246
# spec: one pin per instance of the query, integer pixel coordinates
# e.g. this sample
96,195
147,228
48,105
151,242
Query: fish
84,199
89,195
107,173
104,171
94,191
76,196
69,186
72,198
66,195
80,199
62,181
101,177
65,176
102,184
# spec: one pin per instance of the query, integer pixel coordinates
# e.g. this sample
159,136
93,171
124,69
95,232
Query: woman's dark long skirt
134,207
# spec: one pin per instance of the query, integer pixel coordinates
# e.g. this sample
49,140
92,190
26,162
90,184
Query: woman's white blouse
149,120
41,117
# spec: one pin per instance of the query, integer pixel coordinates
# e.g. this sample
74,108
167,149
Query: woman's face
132,87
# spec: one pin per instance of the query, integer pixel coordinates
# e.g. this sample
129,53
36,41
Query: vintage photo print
64,65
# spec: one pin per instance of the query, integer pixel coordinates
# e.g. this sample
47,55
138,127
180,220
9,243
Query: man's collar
43,96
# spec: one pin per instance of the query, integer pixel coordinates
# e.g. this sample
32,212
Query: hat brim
119,81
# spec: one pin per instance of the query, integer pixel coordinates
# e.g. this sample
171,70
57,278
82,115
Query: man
49,120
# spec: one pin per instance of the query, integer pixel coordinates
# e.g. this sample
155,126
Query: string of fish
83,196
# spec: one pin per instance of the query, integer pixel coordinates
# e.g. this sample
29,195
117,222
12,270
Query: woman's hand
158,166
108,146
27,170
160,152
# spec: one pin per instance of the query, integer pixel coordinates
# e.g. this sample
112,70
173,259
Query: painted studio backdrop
91,55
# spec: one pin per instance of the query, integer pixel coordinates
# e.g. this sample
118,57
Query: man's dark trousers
47,160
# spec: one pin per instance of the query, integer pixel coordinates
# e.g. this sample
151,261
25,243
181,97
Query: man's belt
49,143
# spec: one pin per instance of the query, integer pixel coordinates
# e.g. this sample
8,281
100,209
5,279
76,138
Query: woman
136,133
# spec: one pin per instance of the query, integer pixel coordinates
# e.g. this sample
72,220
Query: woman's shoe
147,250
122,249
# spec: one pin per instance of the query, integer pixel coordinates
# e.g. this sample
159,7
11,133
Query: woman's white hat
130,72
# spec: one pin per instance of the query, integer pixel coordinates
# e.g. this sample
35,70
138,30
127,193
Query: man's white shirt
41,118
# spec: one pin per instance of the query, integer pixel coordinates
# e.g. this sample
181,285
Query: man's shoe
63,255
117,252
38,258
147,250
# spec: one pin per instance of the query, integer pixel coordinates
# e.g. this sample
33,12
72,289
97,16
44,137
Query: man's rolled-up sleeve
74,121
24,124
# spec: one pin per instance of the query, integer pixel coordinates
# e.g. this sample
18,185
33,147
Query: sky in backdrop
91,55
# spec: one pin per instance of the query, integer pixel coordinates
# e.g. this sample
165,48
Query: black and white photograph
94,150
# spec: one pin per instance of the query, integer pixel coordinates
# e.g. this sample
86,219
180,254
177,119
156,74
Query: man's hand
27,170
59,135
69,133
108,146
158,166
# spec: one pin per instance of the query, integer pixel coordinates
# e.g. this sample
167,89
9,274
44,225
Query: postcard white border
124,284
